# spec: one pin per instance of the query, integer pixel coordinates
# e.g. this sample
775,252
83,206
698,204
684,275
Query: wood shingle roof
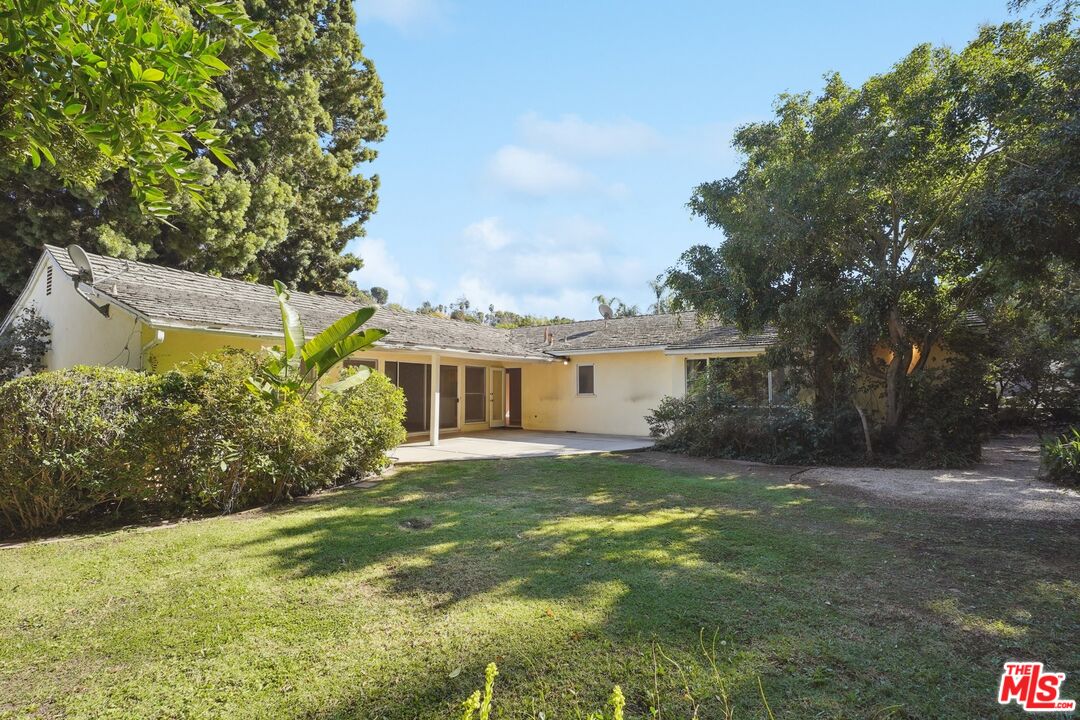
179,298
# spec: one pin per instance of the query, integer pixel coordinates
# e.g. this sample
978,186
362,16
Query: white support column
770,387
434,404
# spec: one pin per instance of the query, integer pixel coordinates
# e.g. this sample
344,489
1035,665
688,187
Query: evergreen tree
299,128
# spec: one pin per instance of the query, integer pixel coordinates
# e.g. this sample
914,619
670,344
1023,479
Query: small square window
357,362
585,380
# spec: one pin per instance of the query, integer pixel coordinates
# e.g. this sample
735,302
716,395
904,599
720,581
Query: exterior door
415,380
448,396
498,398
513,397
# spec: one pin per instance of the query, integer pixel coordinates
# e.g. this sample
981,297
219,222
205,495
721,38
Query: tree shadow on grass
850,606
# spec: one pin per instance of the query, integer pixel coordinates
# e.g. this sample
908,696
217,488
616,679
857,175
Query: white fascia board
606,351
95,292
20,301
173,324
718,352
457,353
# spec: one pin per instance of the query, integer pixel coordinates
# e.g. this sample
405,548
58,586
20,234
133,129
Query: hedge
85,441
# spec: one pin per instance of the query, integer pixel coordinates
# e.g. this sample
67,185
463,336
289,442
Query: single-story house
595,376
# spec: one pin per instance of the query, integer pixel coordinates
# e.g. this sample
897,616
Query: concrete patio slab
501,444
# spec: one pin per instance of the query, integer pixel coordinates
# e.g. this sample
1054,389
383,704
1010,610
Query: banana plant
295,369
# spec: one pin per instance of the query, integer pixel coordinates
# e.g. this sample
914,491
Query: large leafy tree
846,224
299,126
95,86
1027,215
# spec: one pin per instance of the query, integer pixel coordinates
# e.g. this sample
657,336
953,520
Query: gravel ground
1003,486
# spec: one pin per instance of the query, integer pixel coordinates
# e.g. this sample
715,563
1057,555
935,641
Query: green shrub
23,346
713,421
219,447
362,423
944,424
190,441
947,417
1061,458
69,443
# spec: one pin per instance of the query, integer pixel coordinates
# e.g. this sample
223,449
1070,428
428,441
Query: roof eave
605,350
713,350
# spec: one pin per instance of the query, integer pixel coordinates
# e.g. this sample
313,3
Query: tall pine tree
300,127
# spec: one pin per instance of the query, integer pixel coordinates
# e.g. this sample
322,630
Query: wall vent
48,280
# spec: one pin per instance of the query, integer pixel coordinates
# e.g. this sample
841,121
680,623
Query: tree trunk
824,373
896,377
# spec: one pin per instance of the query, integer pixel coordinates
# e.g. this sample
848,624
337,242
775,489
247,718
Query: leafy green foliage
218,447
1035,366
948,419
1026,214
91,87
66,443
379,294
848,225
80,442
724,415
717,423
1061,457
299,129
23,346
618,307
360,424
296,370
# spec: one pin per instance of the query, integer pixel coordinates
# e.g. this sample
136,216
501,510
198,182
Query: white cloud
488,234
570,135
381,269
536,173
404,15
553,270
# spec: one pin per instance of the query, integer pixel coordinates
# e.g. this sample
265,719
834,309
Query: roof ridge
53,249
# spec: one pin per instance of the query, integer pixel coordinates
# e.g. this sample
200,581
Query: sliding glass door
415,381
448,396
475,394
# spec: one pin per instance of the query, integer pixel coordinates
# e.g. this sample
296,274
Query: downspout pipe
159,337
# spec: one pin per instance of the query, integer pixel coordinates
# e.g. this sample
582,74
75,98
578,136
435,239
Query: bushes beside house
67,444
713,422
88,441
719,418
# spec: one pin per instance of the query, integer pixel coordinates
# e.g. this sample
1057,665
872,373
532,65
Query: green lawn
566,572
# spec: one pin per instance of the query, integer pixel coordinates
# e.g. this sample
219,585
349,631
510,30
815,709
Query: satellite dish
82,261
605,311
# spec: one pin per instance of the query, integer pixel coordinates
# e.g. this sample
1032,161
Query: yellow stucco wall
627,386
181,345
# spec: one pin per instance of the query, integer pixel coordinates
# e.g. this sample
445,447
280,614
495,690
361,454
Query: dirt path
1004,485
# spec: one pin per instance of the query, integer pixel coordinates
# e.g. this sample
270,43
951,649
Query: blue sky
540,153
